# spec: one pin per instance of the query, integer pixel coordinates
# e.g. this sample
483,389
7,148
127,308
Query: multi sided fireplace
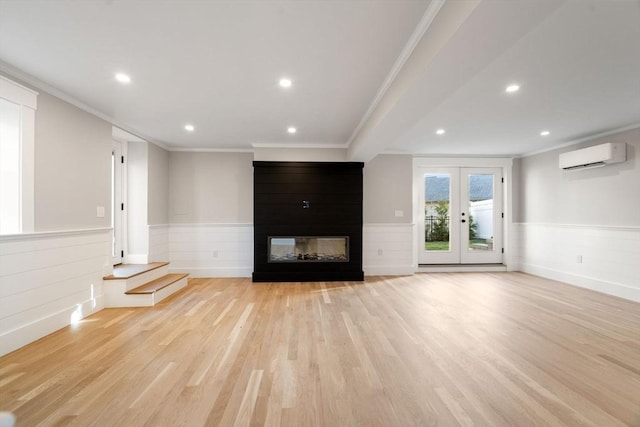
307,221
308,249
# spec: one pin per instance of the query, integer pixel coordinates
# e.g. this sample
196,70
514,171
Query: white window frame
27,99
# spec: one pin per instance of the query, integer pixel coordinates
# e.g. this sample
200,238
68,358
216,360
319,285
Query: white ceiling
216,64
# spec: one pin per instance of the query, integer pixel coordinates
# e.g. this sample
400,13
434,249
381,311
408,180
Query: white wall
159,243
50,276
210,230
582,227
147,202
211,250
137,204
601,196
387,238
47,280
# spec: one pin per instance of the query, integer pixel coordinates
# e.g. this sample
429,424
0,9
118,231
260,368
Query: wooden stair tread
126,271
156,285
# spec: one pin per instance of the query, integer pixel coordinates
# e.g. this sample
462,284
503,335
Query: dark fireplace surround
307,221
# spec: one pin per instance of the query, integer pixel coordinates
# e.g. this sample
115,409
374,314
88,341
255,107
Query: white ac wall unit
593,157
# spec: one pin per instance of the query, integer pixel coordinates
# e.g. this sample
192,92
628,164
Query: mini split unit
594,157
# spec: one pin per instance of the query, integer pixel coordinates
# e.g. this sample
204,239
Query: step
127,271
156,285
144,295
140,285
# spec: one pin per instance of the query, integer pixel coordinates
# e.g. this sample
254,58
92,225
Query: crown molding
28,89
210,150
583,139
297,145
39,84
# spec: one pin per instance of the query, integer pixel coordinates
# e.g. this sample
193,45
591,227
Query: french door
462,216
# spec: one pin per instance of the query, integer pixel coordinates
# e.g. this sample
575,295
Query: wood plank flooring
438,349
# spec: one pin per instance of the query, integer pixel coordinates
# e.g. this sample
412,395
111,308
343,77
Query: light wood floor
446,349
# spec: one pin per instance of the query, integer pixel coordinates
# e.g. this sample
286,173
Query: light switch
399,213
100,212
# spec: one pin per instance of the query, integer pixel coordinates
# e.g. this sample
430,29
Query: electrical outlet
399,213
579,259
379,252
99,211
215,254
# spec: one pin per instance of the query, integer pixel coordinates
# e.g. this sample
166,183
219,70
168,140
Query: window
17,122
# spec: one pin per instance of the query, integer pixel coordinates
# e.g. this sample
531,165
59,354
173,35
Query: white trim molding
27,102
422,27
506,163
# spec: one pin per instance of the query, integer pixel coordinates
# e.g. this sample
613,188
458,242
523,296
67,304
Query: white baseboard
461,268
28,333
388,270
207,272
609,288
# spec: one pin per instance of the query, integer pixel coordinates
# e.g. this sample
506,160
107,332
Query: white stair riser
114,294
140,279
147,277
169,290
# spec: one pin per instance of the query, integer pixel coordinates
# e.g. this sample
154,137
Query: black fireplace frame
315,199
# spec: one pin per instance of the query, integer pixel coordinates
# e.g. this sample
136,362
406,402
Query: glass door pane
481,215
481,212
439,209
437,236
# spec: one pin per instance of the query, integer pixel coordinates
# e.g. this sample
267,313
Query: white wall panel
159,243
602,258
211,250
45,278
388,249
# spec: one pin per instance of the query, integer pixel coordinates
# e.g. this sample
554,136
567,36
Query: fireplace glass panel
309,249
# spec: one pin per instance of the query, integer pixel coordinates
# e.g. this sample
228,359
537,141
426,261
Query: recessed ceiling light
189,128
512,88
440,132
545,133
123,78
291,129
284,82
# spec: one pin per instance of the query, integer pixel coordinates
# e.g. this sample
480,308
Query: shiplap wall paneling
211,250
388,249
48,280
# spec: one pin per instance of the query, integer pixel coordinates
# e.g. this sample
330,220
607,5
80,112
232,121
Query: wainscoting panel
48,280
211,250
388,249
605,259
159,243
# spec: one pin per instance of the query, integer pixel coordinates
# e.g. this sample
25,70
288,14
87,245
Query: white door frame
452,256
420,163
467,255
120,216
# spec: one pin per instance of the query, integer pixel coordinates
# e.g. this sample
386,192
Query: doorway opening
461,215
